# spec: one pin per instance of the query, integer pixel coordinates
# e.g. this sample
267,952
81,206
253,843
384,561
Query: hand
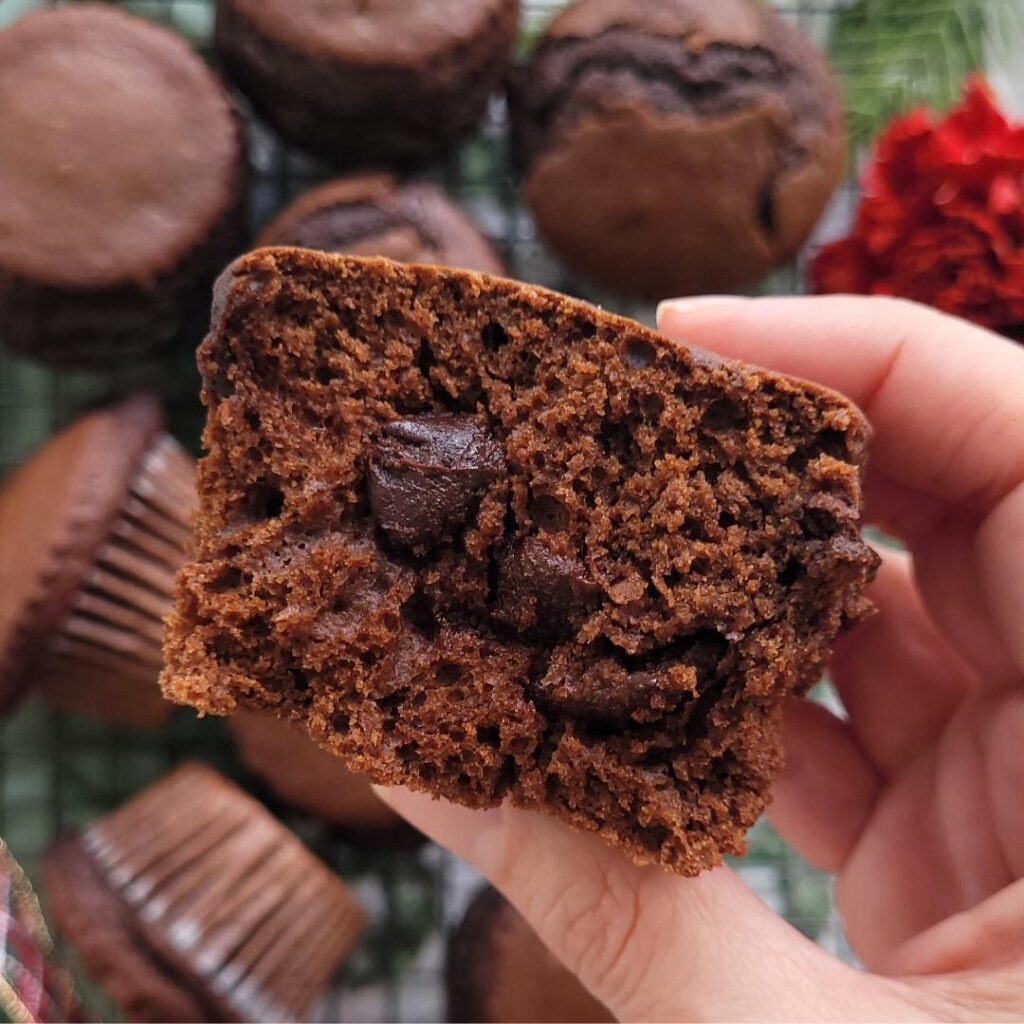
916,800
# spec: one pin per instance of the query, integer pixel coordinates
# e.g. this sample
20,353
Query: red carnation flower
941,220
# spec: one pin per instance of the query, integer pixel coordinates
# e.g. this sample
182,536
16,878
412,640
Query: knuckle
604,919
599,920
601,924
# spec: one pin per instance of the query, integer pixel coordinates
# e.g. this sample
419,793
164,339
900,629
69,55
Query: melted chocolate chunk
540,589
603,690
426,471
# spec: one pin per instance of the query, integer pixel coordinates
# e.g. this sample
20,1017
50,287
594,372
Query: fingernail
691,305
381,792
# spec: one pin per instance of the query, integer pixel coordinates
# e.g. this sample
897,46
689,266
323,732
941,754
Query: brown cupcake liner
105,658
225,892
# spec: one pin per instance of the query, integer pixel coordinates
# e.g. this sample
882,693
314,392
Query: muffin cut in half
492,543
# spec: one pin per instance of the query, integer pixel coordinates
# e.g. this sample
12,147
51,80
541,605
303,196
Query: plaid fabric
32,987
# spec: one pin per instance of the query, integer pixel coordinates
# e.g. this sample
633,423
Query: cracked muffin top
676,147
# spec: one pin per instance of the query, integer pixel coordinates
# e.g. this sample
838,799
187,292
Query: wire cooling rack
58,771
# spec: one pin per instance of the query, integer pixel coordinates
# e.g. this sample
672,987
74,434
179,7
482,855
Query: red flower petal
1005,195
941,219
843,267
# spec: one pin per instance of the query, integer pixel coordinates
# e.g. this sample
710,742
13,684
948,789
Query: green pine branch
892,55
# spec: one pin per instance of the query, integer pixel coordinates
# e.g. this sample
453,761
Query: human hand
916,801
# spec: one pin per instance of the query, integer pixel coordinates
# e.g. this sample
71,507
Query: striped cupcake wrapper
105,658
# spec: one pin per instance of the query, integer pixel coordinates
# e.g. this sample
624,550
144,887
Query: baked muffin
92,530
121,179
673,147
375,216
307,777
192,903
488,542
499,972
391,83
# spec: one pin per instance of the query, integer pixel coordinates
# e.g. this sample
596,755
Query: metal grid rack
57,772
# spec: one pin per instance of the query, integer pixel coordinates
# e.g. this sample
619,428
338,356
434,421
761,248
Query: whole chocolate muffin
92,530
305,776
191,902
675,147
381,84
491,543
499,972
121,175
375,216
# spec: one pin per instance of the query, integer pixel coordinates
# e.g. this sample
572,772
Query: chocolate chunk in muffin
494,544
675,147
391,83
375,216
424,474
121,186
540,587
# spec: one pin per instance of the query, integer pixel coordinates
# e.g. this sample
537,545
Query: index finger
945,398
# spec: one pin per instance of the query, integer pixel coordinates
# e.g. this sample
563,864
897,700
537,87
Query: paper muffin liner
105,658
227,894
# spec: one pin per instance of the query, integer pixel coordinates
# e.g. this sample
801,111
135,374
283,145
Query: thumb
649,945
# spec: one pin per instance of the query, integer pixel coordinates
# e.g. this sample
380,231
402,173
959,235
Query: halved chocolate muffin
491,543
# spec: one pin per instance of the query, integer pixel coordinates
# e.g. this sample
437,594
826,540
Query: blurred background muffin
499,972
375,216
192,903
122,170
305,776
673,147
92,531
391,83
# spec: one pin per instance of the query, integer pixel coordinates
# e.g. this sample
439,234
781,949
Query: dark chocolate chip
541,589
425,473
604,691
